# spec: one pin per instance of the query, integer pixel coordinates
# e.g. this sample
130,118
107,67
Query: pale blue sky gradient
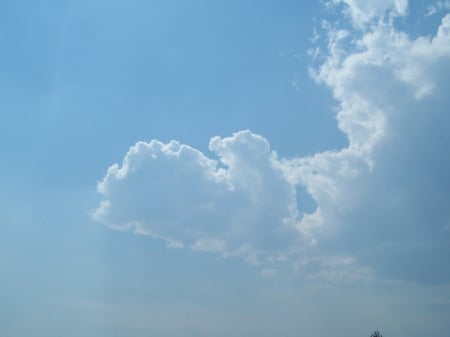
82,81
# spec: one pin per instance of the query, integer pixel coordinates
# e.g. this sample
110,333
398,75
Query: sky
224,168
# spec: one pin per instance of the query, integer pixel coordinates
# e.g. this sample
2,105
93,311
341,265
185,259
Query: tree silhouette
376,334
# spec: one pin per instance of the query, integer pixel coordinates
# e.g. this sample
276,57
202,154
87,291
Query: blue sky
282,168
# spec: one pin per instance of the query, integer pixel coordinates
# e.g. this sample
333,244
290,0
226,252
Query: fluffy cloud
383,202
385,198
240,205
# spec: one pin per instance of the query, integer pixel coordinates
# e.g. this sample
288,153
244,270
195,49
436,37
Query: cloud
437,7
238,205
383,202
385,198
333,269
363,12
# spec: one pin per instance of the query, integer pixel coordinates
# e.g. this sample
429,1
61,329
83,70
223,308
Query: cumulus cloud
386,196
383,202
238,205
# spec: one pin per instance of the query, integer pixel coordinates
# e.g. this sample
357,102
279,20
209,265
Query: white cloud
437,7
240,205
384,199
363,12
389,188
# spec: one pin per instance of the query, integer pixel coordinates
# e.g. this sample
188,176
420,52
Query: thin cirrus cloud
382,202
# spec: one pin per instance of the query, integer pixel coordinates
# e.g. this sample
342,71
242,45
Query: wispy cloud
437,7
363,13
